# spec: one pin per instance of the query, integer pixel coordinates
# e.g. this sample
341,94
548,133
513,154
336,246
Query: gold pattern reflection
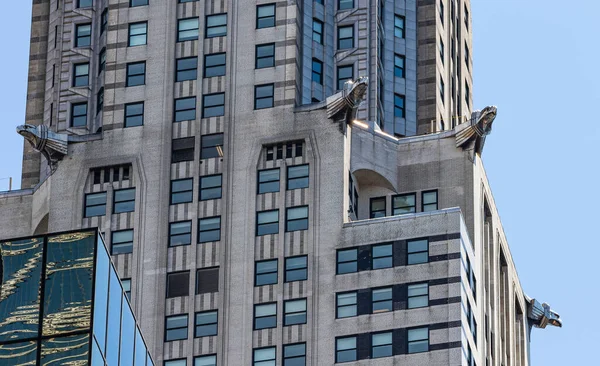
74,348
12,351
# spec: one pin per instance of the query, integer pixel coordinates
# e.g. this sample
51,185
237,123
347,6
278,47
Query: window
418,340
381,256
187,29
102,60
186,1
345,4
429,201
294,354
137,34
399,105
296,268
209,229
81,74
265,272
381,344
418,295
442,11
297,177
345,349
95,204
345,37
210,187
185,109
263,96
264,357
187,69
136,74
83,35
404,204
399,26
418,251
346,304
265,16
212,146
467,56
134,114
182,149
214,65
265,316
84,3
178,284
317,71
134,3
180,362
206,324
176,327
317,31
213,105
441,49
267,222
126,282
210,360
182,190
381,300
216,25
347,261
467,95
296,218
377,207
124,201
344,73
265,55
466,17
103,20
207,280
294,312
268,180
121,242
100,100
180,233
399,66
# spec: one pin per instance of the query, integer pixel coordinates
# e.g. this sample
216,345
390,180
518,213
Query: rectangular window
216,25
345,37
137,34
211,146
381,256
103,21
265,55
95,204
296,218
134,114
186,69
317,31
136,74
265,16
429,201
126,282
182,190
346,304
180,233
121,242
124,200
186,1
399,105
206,324
265,316
210,187
294,312
347,261
264,356
466,17
81,74
176,327
297,177
294,354
381,344
79,115
344,73
178,284
207,280
317,71
213,105
442,90
381,300
214,65
442,11
185,109
441,50
187,29
467,56
418,251
264,96
398,26
345,349
134,3
100,100
83,35
418,340
345,4
418,295
399,66
404,204
209,229
267,222
102,60
265,272
377,207
180,362
84,3
268,180
210,360
296,268
182,149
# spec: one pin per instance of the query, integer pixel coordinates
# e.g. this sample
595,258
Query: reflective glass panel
73,348
101,296
114,319
19,353
206,361
127,334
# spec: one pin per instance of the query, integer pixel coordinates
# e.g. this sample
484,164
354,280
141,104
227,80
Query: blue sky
536,60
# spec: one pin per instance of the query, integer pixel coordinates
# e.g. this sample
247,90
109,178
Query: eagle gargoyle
476,129
51,144
343,106
541,315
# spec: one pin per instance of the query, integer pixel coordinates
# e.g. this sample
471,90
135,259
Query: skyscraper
261,215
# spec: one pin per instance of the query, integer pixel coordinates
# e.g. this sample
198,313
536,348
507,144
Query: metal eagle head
29,132
486,118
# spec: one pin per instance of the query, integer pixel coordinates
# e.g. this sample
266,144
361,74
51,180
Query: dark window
178,284
347,261
187,29
187,69
136,74
210,360
180,233
294,312
182,149
296,268
296,218
418,251
207,280
185,109
317,31
206,324
344,73
84,3
263,96
103,20
418,295
121,242
265,55
399,105
399,66
268,180
216,25
81,74
467,95
377,207
381,256
95,204
399,26
100,100
345,37
214,65
83,35
176,327
345,349
466,17
124,200
137,34
317,71
265,16
133,3
134,114
267,222
294,354
209,229
264,356
404,204
381,300
265,316
441,49
102,60
297,177
429,201
345,4
210,187
182,190
381,344
211,146
213,105
126,282
265,272
418,340
346,304
467,55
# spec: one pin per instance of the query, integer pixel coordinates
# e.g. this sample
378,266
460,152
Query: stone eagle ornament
51,144
343,106
476,129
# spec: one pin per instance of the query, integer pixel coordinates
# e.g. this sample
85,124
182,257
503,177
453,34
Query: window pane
264,354
180,233
205,361
297,213
265,310
417,245
175,363
268,216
